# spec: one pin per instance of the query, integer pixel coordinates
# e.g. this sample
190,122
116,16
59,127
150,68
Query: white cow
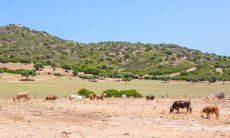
123,96
75,97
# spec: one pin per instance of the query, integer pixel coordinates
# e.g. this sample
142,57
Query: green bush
131,93
91,70
112,92
75,72
18,71
38,66
66,67
1,71
57,74
128,93
85,92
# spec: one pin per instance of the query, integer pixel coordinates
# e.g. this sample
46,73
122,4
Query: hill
112,59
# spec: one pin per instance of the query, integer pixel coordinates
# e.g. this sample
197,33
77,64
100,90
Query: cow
123,96
149,97
212,110
91,96
50,98
75,97
21,95
100,97
181,104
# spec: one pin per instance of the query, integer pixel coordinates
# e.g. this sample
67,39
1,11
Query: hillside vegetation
111,59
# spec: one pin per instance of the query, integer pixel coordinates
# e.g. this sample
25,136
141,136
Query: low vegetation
117,93
85,92
112,59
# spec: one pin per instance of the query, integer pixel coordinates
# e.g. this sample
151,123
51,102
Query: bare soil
110,118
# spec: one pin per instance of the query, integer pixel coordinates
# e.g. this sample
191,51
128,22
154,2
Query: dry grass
113,117
62,86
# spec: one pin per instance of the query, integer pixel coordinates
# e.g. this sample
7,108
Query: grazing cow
100,97
149,97
181,104
75,97
51,98
21,95
212,110
91,96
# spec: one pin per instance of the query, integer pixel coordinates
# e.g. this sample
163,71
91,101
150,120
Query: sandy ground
110,118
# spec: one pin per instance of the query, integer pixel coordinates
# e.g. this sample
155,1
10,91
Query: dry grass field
64,86
111,118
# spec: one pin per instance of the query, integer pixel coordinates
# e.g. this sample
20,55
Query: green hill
137,60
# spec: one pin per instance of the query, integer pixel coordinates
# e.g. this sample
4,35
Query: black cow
149,97
181,104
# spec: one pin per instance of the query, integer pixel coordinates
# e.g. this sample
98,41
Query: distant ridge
21,44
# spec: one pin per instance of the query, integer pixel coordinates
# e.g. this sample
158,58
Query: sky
197,24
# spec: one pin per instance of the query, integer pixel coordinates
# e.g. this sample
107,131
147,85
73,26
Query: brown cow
21,95
149,97
181,104
91,96
212,110
51,98
100,97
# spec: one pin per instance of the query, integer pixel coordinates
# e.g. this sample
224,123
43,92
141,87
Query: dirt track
110,118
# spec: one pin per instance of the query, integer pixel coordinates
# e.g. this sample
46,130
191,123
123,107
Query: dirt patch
15,66
110,118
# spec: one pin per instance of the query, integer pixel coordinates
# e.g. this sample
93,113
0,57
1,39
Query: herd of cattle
176,105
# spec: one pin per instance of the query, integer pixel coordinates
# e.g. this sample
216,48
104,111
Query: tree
53,65
104,67
66,67
202,78
38,66
213,79
118,75
92,70
75,72
28,73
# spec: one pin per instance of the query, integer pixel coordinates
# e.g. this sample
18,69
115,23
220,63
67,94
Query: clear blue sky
198,24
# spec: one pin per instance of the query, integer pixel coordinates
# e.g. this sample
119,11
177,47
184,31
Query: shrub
75,72
184,73
112,92
57,74
1,71
23,60
131,93
90,70
18,71
85,92
128,93
66,67
38,66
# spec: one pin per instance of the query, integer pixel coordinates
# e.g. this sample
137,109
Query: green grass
63,86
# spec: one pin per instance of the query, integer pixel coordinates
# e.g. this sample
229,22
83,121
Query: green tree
118,75
66,67
38,66
28,73
75,72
